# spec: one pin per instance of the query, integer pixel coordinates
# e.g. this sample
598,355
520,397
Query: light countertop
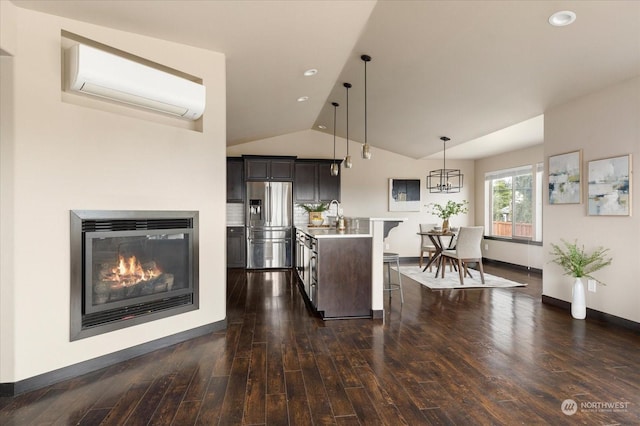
324,232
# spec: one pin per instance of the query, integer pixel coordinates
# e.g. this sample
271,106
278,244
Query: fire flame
129,271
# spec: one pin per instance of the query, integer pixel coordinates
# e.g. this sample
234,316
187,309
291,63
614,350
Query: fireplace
130,267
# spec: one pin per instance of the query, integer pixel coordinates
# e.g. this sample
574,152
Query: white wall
365,186
519,254
603,124
7,38
60,156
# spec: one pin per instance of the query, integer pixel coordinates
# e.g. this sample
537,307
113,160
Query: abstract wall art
565,178
609,186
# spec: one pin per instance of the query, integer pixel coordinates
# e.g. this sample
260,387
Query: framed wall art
609,186
565,178
404,195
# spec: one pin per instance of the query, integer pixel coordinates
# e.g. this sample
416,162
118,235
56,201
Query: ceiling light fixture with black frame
444,180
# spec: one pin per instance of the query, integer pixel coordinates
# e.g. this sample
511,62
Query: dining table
436,239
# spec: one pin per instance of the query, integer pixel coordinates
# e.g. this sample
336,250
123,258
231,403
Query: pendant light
334,166
347,160
366,149
444,180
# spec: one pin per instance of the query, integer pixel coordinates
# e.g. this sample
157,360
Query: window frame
536,172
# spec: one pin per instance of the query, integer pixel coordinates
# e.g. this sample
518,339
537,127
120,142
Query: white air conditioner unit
109,76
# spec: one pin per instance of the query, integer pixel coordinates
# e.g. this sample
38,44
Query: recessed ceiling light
303,98
562,19
322,126
310,72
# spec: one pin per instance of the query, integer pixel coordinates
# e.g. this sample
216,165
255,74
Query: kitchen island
334,268
341,272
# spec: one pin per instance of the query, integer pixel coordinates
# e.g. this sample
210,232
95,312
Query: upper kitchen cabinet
328,186
305,183
268,168
235,180
313,182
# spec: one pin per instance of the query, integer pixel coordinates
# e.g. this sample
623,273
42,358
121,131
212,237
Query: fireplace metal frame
159,306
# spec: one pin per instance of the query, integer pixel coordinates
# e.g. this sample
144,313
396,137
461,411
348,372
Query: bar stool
388,259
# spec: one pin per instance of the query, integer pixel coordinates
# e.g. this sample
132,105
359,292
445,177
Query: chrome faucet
340,219
338,209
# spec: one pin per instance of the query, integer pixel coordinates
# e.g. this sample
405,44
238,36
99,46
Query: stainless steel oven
313,272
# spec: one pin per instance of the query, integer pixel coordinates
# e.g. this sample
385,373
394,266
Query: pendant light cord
443,183
365,101
366,150
347,85
335,110
444,140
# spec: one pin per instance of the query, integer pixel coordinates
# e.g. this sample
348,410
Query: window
514,203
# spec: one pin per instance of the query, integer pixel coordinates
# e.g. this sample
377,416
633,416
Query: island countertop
331,232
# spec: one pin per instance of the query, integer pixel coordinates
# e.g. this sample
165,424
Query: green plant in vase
577,263
448,210
315,212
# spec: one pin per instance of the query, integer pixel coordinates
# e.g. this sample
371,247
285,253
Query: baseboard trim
593,314
377,314
95,364
512,265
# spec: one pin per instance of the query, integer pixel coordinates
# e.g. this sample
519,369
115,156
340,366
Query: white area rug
452,280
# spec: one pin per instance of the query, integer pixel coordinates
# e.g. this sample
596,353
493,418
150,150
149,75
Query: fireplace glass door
130,267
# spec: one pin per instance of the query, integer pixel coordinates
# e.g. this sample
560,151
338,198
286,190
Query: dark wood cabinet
268,168
344,277
305,183
313,182
235,180
236,255
335,274
328,186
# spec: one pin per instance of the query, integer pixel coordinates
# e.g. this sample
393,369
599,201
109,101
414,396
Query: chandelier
444,180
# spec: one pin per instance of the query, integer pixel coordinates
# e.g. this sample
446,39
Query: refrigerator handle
269,201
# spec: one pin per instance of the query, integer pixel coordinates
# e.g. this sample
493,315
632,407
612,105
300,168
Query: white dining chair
467,250
425,243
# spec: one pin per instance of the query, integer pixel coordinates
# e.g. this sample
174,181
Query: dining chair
467,250
425,243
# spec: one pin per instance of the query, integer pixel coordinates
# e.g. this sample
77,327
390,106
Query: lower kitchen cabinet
344,277
236,253
335,275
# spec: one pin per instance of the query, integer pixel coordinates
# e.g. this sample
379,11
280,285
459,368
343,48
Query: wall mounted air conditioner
109,76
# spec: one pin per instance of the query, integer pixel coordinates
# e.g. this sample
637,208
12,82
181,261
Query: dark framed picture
404,195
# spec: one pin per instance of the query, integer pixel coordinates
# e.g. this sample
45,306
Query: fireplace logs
129,278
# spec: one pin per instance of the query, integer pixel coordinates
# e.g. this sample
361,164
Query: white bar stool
388,259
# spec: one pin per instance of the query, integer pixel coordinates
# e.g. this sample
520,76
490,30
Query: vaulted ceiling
465,69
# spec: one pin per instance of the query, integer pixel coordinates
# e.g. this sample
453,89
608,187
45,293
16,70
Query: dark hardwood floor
467,357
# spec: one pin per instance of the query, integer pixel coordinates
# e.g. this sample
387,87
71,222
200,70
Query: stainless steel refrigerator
269,219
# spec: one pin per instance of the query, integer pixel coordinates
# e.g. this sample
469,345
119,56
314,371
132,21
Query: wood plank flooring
453,357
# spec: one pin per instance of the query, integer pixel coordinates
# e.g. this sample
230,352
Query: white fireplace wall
58,156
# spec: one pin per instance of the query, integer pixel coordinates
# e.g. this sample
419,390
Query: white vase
578,303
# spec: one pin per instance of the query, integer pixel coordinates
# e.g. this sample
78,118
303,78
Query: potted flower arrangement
452,208
577,263
315,212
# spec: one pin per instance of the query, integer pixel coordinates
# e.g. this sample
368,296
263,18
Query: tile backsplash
301,217
235,214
